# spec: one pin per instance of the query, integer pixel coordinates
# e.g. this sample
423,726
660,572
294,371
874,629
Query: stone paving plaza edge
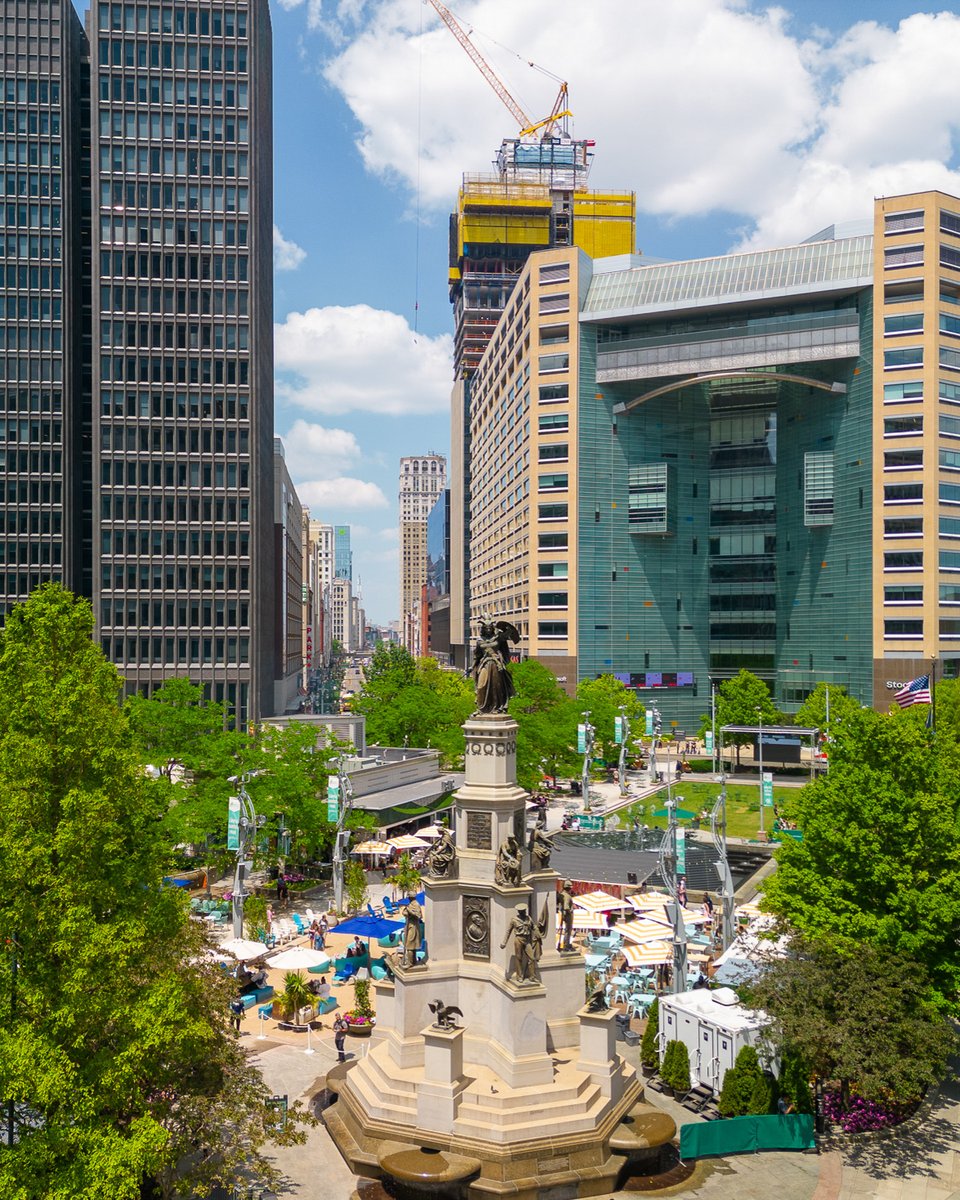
918,1163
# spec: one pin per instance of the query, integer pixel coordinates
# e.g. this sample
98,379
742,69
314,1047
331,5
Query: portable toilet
714,1026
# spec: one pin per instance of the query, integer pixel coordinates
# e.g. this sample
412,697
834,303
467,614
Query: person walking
236,1013
340,1037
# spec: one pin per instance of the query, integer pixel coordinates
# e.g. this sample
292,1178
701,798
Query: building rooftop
809,268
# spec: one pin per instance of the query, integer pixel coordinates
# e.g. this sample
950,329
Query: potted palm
360,1019
295,996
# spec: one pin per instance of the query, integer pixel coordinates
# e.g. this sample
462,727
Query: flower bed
866,1116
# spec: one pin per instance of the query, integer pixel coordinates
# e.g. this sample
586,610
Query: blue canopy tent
368,927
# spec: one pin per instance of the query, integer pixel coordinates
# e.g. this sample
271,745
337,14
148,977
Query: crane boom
526,125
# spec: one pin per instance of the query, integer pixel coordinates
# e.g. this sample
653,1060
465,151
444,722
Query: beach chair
302,927
373,911
389,907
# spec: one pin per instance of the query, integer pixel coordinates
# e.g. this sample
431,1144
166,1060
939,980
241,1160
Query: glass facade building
44,406
182,336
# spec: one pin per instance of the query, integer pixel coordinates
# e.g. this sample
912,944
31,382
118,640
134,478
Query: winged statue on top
491,658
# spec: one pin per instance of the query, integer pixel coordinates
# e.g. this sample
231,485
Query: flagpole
933,695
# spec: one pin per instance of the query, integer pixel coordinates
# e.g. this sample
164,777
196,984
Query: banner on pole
581,739
648,723
333,798
767,789
233,823
618,730
708,741
681,852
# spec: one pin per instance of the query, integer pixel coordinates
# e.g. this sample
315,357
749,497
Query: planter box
360,1030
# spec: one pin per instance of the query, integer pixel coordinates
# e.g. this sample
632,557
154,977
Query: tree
355,886
878,863
742,1084
648,1045
117,1054
738,700
546,723
406,878
675,1068
864,1018
414,702
603,698
812,714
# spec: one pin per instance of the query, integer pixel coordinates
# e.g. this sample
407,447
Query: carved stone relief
479,831
476,926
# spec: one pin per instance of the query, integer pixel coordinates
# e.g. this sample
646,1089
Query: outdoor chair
298,921
638,1003
389,907
265,1011
373,911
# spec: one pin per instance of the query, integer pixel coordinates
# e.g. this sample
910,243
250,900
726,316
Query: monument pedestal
531,1087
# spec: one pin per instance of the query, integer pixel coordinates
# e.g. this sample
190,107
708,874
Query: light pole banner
333,798
681,852
767,789
233,823
648,723
618,730
708,741
581,739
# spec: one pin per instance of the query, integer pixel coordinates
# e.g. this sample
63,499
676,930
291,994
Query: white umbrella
407,841
432,832
644,900
600,902
650,954
243,949
373,848
297,958
645,930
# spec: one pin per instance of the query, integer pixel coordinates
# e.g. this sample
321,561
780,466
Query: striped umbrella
644,930
644,900
407,841
372,848
650,954
600,902
749,910
583,921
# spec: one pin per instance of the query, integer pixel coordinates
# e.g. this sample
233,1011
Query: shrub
355,885
361,999
763,1096
255,916
739,1083
675,1070
794,1082
649,1055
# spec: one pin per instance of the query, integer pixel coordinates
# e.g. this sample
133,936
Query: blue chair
320,968
389,907
373,912
327,1005
299,922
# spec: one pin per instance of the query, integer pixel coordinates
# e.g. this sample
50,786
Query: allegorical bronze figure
442,857
508,869
491,670
540,848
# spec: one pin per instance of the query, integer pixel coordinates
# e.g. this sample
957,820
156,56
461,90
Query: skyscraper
422,479
342,554
44,411
182,336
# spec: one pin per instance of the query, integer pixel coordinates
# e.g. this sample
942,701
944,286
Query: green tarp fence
742,1135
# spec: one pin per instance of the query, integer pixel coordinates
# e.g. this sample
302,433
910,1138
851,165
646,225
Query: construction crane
527,126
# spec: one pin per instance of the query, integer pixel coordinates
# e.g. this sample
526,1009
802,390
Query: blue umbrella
368,927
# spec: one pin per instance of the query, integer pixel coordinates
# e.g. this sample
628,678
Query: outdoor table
596,960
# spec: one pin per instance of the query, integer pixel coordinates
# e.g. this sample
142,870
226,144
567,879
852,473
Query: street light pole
668,872
624,742
342,836
760,716
588,732
718,828
249,823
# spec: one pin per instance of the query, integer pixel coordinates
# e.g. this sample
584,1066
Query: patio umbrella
683,814
432,832
407,841
297,958
652,900
650,954
242,949
586,920
750,910
373,848
645,930
600,902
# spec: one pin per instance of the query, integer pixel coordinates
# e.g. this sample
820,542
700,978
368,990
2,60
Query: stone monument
525,1093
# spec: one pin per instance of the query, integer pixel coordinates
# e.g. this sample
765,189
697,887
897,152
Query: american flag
917,691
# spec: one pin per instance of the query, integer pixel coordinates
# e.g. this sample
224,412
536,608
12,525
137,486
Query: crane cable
416,253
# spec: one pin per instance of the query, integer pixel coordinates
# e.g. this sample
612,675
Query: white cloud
359,358
317,452
699,106
340,494
287,255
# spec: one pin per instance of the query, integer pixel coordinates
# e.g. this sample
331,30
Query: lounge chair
389,907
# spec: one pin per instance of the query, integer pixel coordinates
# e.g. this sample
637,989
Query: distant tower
422,479
342,554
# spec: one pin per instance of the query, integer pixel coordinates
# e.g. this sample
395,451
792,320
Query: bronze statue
528,936
508,871
540,849
446,1014
597,1001
442,857
565,909
491,657
412,933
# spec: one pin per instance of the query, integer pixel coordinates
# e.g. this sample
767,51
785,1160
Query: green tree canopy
879,862
812,714
414,702
547,723
738,702
603,699
863,1018
116,1055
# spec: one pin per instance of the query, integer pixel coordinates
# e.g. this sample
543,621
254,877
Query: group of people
318,932
356,949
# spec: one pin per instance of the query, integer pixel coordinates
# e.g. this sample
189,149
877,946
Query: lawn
743,806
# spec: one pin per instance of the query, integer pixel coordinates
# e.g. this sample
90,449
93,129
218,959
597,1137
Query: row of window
47,246
156,89
31,554
151,507
913,526
912,560
155,576
156,404
949,627
30,216
159,439
30,91
160,541
34,278
157,160
31,370
119,472
174,231
202,302
214,614
117,369
220,652
170,126
912,256
30,154
172,56
28,184
31,521
30,308
138,18
195,336
31,337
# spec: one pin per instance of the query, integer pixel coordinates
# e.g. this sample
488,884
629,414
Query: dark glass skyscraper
42,406
182,344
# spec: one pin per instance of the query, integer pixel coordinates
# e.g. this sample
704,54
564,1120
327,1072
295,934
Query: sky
738,124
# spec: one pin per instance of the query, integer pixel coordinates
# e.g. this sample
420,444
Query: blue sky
736,123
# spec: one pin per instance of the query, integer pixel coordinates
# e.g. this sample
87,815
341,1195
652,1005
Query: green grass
743,806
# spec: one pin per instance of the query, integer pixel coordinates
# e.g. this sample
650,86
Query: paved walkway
922,1163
